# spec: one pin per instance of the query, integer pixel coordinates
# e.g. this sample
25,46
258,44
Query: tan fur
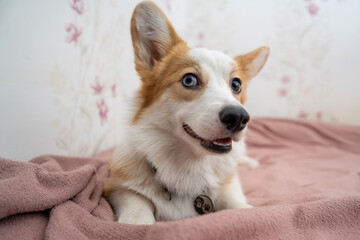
167,75
108,187
155,71
124,170
247,68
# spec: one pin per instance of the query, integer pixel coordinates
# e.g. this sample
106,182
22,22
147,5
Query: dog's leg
248,161
132,208
231,194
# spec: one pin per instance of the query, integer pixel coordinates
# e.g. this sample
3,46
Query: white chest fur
185,175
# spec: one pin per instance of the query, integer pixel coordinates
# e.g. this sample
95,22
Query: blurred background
66,67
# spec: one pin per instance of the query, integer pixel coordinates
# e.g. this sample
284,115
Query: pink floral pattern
291,69
113,90
285,79
282,92
200,36
78,6
168,5
103,111
302,115
73,33
319,115
313,9
97,87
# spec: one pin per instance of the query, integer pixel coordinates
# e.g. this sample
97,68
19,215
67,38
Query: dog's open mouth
220,145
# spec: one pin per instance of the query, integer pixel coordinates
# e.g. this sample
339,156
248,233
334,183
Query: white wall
48,97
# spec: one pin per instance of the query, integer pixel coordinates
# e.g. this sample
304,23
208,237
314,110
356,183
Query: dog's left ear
251,63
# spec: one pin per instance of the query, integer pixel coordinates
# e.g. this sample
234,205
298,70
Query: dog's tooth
221,144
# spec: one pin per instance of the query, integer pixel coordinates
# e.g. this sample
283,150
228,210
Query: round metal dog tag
203,204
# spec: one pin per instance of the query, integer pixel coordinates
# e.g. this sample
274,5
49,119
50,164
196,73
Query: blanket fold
306,187
29,187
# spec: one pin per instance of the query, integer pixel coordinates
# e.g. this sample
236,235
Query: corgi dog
185,137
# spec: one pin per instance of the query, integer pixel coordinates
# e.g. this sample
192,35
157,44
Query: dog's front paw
137,218
250,162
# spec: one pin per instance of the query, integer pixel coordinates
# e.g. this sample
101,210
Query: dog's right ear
152,36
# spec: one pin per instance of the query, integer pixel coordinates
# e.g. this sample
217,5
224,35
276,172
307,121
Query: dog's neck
178,167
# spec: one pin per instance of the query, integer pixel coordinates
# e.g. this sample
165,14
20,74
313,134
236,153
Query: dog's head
197,95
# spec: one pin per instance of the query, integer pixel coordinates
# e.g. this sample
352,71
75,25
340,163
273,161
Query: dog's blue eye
236,85
190,80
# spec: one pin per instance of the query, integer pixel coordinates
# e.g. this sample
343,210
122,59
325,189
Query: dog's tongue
225,141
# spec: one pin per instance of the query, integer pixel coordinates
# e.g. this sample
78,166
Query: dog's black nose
234,118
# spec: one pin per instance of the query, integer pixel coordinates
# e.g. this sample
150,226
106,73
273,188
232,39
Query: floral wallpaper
67,70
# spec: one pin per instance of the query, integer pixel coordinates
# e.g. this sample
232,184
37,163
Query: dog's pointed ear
251,63
152,35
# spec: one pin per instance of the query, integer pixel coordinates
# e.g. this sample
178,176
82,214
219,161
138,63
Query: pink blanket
307,187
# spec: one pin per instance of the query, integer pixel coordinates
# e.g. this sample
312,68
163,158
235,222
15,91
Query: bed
306,187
